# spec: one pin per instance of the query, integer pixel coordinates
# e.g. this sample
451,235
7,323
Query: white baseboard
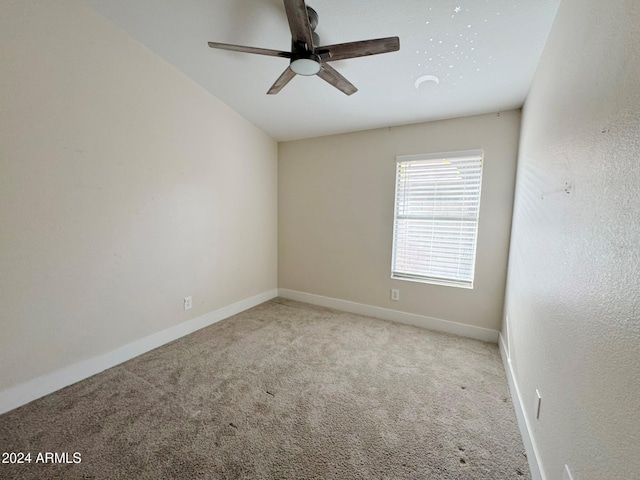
537,472
14,397
422,321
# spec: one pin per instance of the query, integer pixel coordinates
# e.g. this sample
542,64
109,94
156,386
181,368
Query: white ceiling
484,53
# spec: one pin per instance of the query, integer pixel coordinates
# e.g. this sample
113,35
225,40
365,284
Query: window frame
426,278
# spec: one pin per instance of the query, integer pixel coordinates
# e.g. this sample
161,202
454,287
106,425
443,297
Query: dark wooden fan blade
299,22
259,51
331,75
342,51
282,80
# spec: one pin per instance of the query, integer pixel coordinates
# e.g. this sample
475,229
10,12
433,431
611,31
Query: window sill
434,281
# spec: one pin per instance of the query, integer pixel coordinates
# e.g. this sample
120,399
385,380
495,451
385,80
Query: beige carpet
283,391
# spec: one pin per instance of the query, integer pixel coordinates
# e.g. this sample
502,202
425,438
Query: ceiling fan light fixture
305,66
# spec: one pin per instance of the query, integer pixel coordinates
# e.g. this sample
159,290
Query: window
436,217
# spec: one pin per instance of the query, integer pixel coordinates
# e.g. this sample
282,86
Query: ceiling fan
307,58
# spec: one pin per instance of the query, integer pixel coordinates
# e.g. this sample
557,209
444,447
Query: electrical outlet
538,404
567,474
395,294
188,303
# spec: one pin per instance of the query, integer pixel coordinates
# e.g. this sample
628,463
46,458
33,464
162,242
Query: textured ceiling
483,52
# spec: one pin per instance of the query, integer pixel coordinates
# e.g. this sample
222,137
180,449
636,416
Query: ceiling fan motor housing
304,60
313,18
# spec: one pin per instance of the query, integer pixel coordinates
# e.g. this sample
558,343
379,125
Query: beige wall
335,208
573,299
123,188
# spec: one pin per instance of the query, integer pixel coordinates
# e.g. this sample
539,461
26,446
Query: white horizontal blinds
436,217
